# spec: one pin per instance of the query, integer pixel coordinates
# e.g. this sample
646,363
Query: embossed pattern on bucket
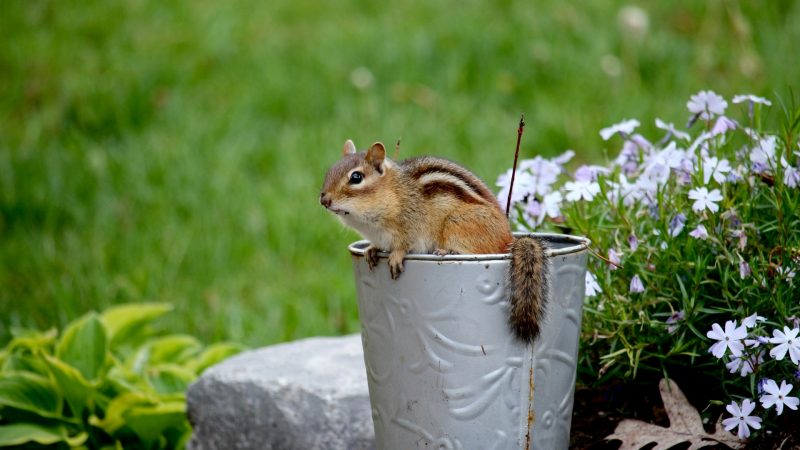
443,368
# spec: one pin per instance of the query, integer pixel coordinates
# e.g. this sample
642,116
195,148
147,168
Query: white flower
752,320
787,341
592,286
716,168
551,204
752,99
625,127
614,257
703,199
742,418
589,173
791,177
745,365
763,154
636,285
577,190
729,339
722,125
676,224
744,269
706,104
699,233
670,128
778,396
563,158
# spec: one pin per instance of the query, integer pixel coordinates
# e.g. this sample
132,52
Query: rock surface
308,394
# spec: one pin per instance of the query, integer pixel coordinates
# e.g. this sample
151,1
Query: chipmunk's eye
356,177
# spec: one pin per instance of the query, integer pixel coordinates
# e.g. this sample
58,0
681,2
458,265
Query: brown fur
445,204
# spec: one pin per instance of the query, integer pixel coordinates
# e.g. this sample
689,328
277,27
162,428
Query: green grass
174,150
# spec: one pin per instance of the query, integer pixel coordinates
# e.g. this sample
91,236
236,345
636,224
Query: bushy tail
529,285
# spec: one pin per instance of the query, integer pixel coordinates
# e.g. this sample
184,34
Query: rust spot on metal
531,415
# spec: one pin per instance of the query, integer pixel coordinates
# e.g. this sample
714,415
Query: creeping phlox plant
694,232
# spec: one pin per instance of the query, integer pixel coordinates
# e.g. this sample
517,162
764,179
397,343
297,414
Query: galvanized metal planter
443,368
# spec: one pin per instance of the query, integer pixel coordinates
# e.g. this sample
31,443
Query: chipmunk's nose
325,199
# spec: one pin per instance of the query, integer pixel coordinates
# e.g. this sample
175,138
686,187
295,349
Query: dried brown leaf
685,426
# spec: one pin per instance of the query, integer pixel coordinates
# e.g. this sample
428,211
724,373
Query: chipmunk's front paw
441,252
395,265
371,256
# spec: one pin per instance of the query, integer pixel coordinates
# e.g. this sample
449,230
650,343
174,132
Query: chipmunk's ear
376,156
349,148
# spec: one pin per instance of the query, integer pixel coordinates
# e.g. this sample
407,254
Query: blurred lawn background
173,150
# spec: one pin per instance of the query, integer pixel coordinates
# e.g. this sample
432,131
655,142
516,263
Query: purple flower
592,286
699,232
715,168
707,104
672,321
625,128
589,173
786,341
633,242
577,190
751,99
778,396
763,154
742,418
744,269
636,285
703,199
752,320
614,257
723,125
791,177
676,224
730,338
671,131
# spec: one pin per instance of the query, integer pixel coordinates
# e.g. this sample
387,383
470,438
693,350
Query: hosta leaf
25,363
117,409
176,348
213,354
84,346
170,378
150,422
125,322
32,340
78,392
30,392
21,433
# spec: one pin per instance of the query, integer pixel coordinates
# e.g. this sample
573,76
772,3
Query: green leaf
213,354
150,422
78,392
176,348
84,346
25,363
124,322
170,378
21,433
32,340
30,392
117,409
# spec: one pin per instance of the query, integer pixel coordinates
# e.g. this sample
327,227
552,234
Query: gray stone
308,394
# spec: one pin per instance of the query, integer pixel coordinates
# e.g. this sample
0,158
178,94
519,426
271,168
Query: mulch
597,411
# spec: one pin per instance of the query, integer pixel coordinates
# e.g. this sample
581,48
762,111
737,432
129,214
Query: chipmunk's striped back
438,176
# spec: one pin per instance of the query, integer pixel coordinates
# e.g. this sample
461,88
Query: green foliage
174,149
108,381
668,267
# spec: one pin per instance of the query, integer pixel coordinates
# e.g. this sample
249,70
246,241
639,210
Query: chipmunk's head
353,186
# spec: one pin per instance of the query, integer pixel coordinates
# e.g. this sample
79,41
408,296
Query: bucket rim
579,244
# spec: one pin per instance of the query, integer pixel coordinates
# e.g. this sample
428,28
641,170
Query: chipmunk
432,205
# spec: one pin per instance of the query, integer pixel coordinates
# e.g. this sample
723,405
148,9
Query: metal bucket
443,368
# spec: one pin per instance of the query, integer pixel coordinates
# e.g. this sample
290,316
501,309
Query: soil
598,411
